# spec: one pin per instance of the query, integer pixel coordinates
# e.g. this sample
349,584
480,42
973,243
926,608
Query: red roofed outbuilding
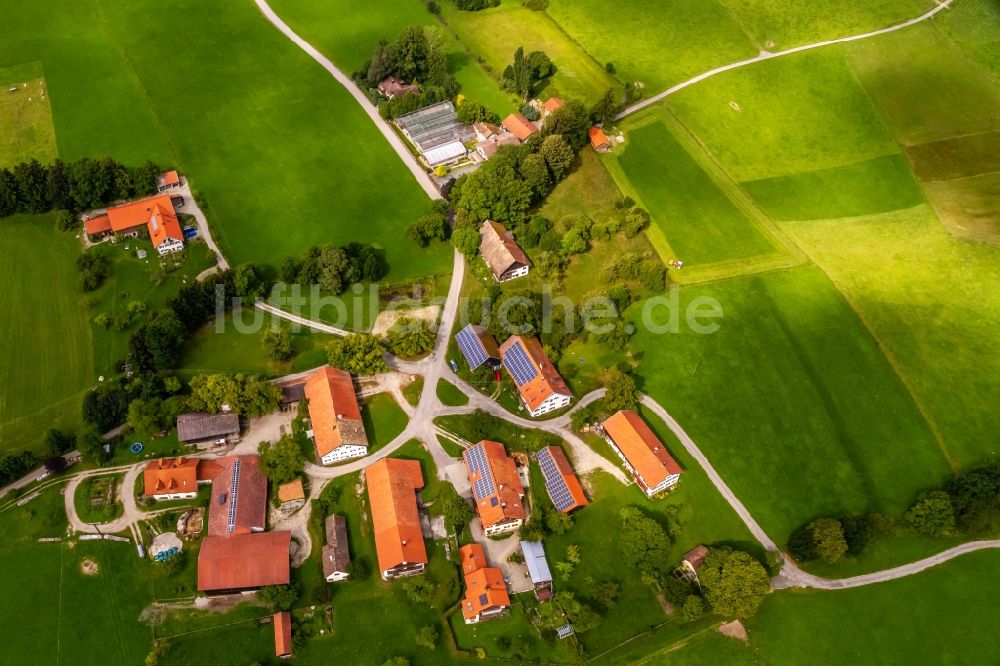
283,634
599,140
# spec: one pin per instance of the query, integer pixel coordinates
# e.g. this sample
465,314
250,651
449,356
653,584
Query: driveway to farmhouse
397,144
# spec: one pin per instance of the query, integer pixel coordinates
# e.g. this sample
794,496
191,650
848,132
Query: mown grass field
494,34
701,224
47,363
26,130
792,393
667,42
793,114
780,24
242,124
349,32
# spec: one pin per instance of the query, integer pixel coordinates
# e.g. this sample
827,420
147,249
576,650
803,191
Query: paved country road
764,55
397,144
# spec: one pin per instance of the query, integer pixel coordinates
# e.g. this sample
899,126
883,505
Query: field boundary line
766,55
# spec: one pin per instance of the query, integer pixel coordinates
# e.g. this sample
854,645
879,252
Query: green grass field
47,363
26,130
832,425
700,223
877,185
937,318
667,42
242,124
384,420
348,34
798,113
781,24
494,34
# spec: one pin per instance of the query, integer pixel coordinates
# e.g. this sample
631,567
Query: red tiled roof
598,138
333,410
97,225
244,561
564,469
169,178
641,447
170,475
519,126
137,213
283,634
546,382
163,225
392,485
505,502
484,586
553,104
289,492
696,557
249,495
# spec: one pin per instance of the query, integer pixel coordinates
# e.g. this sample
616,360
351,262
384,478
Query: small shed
283,634
538,568
599,140
291,494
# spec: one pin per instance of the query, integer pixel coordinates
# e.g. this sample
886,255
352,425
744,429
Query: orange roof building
291,492
283,634
393,484
169,180
171,478
551,105
501,252
599,140
97,227
337,429
486,595
496,487
643,453
519,126
560,482
541,386
157,215
238,555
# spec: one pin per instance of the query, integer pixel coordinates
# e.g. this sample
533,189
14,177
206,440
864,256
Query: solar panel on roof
483,599
519,365
555,484
483,486
234,488
471,347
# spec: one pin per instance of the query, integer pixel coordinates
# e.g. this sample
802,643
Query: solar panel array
519,365
484,485
234,489
555,484
471,346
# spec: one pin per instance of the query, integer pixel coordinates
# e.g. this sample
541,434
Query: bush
410,337
358,354
476,5
65,221
932,514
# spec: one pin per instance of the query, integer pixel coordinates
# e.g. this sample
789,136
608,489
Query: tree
733,582
828,539
535,173
15,465
432,226
397,661
605,108
247,395
277,341
457,512
66,221
644,543
419,589
278,597
410,337
621,392
146,178
105,407
358,354
470,112
558,155
248,283
467,241
557,522
573,242
517,77
165,337
282,461
606,594
580,614
693,609
146,415
932,514
427,637
571,121
58,442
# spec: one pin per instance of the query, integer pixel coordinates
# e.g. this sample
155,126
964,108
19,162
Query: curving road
397,144
765,55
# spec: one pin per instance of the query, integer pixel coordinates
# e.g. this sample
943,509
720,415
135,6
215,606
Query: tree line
31,187
335,268
968,504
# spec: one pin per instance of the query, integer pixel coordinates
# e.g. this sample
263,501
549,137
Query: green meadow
241,121
25,116
46,335
792,393
781,24
494,34
349,32
667,41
